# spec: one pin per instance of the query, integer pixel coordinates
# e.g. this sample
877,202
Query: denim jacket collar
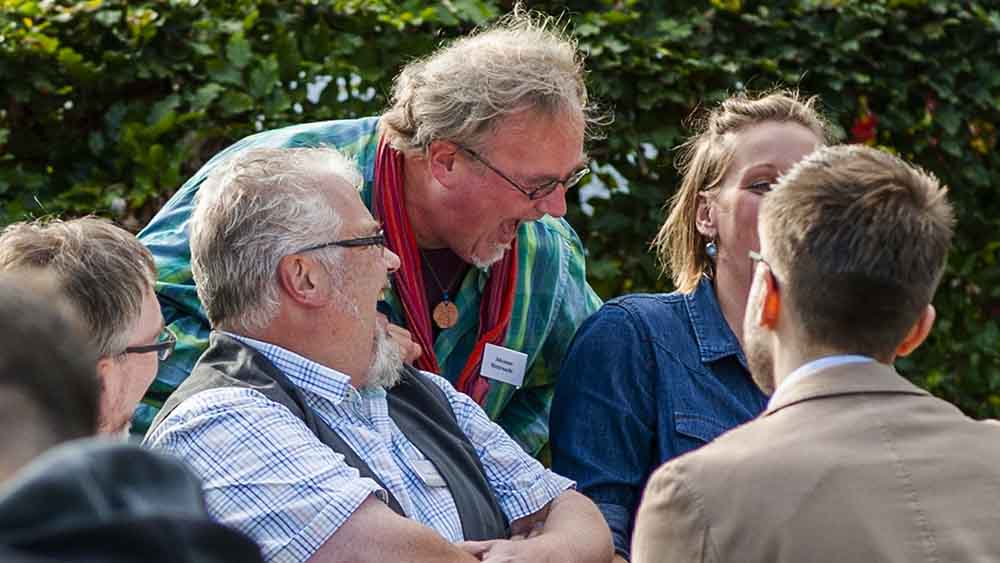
715,339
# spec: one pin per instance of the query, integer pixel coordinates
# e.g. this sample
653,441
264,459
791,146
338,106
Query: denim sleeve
603,417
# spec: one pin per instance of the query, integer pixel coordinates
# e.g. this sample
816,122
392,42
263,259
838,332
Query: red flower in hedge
863,130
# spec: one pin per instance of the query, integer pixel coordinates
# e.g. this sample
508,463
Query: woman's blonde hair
702,162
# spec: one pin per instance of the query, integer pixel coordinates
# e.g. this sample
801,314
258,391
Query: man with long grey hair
468,173
310,433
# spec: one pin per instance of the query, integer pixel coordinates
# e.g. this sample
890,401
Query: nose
553,204
391,260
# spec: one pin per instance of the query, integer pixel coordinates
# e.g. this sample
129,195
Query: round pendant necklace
445,313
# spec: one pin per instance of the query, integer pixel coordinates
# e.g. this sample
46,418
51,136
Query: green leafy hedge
107,106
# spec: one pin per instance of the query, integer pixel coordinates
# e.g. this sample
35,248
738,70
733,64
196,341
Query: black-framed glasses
378,239
534,192
163,347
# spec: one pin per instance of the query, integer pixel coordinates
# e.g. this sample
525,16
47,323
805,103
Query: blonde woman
652,376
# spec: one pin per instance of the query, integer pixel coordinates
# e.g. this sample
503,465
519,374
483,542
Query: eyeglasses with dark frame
377,239
163,347
536,192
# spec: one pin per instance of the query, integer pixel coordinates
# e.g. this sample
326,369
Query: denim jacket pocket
695,430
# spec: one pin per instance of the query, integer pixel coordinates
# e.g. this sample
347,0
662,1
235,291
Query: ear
441,159
763,301
705,215
299,279
771,302
918,332
105,370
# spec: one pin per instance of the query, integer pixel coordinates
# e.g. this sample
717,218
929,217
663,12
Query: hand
408,347
504,551
535,530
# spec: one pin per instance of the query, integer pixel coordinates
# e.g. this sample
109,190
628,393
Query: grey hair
102,269
461,92
260,206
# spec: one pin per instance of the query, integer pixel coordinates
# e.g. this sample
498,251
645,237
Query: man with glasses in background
309,432
468,172
65,497
109,276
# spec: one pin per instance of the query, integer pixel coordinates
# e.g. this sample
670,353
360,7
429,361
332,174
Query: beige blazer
852,464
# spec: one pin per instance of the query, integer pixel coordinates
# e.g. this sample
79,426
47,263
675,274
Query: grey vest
418,407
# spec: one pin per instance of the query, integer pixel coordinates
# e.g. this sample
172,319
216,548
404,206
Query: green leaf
205,96
587,30
108,18
201,49
234,103
949,118
289,58
616,45
41,42
161,109
225,73
238,51
264,78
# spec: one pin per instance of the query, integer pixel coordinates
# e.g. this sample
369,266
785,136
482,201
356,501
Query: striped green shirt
552,298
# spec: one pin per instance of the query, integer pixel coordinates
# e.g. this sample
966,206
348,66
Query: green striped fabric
553,297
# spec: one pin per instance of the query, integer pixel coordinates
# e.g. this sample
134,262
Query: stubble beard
760,361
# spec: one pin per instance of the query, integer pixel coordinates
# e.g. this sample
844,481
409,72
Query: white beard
484,263
387,361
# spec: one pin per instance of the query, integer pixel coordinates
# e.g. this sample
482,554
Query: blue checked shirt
267,475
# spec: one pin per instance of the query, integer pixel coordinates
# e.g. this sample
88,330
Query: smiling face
364,269
762,153
481,211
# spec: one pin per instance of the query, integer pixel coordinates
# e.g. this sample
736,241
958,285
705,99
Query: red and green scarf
498,298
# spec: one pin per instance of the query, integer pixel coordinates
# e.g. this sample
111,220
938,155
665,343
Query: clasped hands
523,547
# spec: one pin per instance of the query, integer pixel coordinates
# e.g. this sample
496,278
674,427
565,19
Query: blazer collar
871,377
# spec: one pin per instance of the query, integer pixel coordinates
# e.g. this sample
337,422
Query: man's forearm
376,534
576,531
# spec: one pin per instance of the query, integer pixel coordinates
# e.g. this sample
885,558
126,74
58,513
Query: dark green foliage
109,106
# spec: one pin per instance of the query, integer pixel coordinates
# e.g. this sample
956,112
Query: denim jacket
647,378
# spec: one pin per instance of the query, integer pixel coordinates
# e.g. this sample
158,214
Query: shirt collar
711,331
814,367
304,373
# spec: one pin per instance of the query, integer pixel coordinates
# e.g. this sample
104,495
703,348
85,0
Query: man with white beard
309,432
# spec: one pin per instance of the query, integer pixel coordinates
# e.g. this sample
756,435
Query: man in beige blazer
849,462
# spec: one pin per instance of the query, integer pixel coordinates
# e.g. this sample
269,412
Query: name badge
504,364
428,473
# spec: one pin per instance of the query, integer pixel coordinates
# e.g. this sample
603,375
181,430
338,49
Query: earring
711,250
